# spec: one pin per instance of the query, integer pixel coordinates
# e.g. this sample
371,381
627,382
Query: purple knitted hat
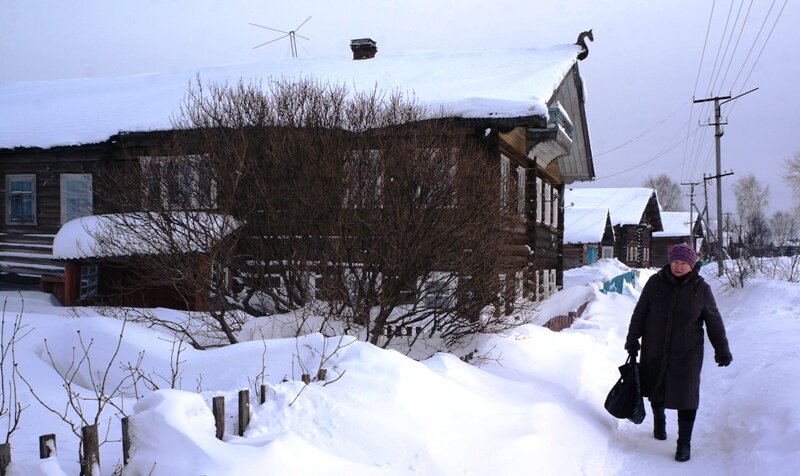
683,252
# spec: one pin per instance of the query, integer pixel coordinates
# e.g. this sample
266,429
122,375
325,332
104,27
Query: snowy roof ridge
676,224
626,205
511,83
584,224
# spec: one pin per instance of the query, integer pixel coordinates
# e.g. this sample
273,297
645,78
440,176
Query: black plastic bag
625,398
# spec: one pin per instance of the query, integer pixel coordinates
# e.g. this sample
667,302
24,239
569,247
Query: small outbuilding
588,236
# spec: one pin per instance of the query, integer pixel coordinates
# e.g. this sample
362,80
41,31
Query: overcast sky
649,59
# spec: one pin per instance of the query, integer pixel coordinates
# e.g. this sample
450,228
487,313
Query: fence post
263,395
91,450
218,408
5,457
47,445
244,410
322,374
126,441
306,378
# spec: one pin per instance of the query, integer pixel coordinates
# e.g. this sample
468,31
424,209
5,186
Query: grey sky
641,73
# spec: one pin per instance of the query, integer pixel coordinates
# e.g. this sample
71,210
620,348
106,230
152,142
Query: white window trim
505,177
548,202
84,208
539,200
521,191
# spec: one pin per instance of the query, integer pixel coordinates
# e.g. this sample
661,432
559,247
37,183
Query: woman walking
674,305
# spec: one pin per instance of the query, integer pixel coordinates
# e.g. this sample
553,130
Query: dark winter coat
669,318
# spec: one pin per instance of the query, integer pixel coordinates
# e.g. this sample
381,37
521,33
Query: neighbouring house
526,104
588,236
677,227
634,214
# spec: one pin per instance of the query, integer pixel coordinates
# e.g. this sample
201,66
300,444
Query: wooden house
537,130
676,229
634,214
588,236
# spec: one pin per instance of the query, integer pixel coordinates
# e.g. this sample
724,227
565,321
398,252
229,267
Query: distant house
528,108
588,236
634,214
676,229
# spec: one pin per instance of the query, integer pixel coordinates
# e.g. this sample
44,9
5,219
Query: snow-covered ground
531,402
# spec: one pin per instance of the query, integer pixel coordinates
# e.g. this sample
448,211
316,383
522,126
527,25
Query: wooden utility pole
691,211
718,102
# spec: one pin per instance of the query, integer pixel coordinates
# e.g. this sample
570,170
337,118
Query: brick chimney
363,48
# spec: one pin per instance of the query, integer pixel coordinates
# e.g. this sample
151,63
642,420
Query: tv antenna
291,34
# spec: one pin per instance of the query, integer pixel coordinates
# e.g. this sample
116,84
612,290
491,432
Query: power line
736,46
650,159
755,41
638,136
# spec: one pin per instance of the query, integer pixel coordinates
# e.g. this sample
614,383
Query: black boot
685,427
659,421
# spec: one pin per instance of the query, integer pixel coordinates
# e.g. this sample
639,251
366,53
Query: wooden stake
5,457
91,450
244,410
44,448
126,441
218,408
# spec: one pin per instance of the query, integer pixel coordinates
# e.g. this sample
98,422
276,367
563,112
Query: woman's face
679,268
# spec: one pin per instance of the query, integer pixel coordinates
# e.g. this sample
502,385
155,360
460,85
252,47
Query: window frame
10,198
64,195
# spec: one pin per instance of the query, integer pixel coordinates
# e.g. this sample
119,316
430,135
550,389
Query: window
553,282
632,254
539,201
88,285
505,177
608,252
521,191
76,196
179,183
363,179
555,207
439,290
548,203
21,199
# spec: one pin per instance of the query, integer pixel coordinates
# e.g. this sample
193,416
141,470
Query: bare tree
668,190
752,199
784,227
362,205
792,177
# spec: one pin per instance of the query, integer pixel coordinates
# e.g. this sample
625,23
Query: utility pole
691,211
717,135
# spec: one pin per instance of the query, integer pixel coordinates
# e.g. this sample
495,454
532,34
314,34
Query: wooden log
306,378
5,457
90,456
126,441
322,374
263,395
44,448
244,410
218,408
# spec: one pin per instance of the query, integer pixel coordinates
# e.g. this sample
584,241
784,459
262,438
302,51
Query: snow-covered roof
626,206
676,224
101,236
584,225
480,84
